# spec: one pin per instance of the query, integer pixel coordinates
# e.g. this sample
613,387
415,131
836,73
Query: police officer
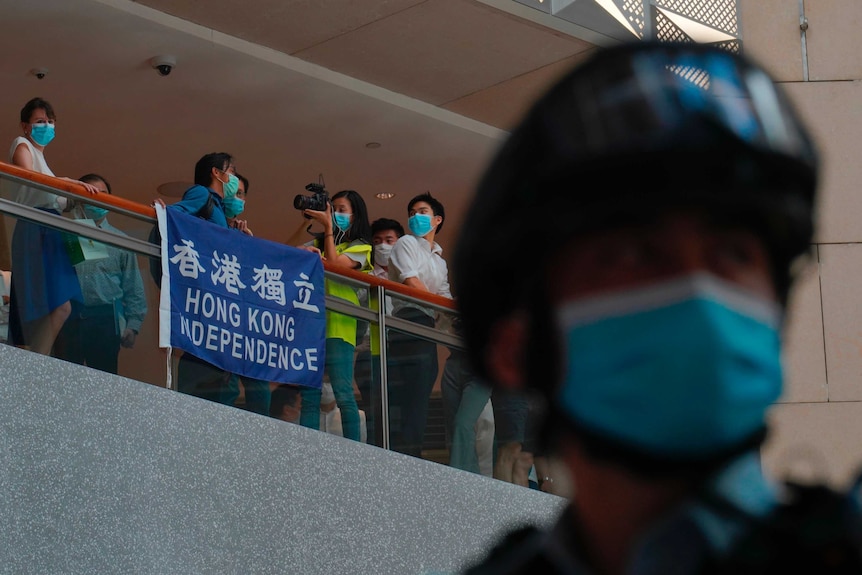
670,190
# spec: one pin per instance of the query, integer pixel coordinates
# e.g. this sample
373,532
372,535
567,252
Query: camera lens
300,202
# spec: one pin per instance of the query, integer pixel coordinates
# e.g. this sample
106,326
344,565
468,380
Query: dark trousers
257,393
89,337
366,371
412,372
201,379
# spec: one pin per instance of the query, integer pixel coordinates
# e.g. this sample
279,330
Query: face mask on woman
42,133
342,221
231,186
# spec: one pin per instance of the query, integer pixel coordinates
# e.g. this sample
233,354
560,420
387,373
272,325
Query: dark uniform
670,191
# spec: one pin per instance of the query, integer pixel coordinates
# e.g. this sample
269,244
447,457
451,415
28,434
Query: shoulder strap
207,210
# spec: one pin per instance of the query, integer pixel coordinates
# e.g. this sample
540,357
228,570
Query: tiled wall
817,429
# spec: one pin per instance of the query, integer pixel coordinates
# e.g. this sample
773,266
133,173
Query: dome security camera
40,73
163,64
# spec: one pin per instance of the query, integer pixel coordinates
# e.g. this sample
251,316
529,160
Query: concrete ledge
101,474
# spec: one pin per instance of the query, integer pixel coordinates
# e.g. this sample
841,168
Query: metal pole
803,28
384,387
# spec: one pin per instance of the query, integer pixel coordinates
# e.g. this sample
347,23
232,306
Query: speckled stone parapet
101,474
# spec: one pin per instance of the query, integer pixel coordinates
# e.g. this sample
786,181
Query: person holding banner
345,242
257,392
215,182
43,279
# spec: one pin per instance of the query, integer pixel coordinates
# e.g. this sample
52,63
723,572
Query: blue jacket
194,201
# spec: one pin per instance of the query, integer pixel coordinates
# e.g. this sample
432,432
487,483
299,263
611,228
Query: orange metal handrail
123,203
391,286
77,189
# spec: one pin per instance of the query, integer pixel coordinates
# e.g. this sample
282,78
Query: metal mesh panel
733,46
634,13
667,31
719,14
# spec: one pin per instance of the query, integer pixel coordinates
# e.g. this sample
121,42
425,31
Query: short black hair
93,178
281,396
435,204
244,181
383,224
204,167
37,104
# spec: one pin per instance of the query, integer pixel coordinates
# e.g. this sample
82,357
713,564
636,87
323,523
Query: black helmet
637,127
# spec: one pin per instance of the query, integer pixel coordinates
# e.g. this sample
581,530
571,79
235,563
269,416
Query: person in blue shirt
215,180
670,192
216,185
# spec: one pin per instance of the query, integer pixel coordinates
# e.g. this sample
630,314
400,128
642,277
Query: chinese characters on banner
249,306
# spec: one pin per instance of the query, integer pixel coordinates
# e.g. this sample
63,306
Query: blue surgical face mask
42,134
419,224
231,186
233,206
342,221
95,213
685,368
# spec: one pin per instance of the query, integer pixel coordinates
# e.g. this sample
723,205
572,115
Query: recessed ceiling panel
442,50
284,26
505,104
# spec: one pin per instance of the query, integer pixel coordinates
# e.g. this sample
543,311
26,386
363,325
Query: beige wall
817,429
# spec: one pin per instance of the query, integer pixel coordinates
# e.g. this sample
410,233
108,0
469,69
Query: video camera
316,201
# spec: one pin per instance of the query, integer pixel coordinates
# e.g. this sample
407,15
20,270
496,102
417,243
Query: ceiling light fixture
384,196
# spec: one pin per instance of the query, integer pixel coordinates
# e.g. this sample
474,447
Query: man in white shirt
415,261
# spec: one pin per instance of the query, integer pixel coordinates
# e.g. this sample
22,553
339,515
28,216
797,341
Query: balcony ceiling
292,89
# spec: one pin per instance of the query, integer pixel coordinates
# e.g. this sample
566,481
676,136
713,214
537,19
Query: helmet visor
642,100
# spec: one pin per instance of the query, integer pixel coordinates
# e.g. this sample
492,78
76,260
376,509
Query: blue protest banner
247,305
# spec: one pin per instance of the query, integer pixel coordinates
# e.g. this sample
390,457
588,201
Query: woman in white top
43,279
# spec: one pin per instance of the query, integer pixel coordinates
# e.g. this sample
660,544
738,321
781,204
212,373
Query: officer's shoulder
815,530
520,552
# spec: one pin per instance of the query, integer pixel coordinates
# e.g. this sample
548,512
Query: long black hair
359,228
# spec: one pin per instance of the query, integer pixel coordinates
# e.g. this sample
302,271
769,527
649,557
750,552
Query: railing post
384,387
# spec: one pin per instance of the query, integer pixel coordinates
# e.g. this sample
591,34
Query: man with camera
674,190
